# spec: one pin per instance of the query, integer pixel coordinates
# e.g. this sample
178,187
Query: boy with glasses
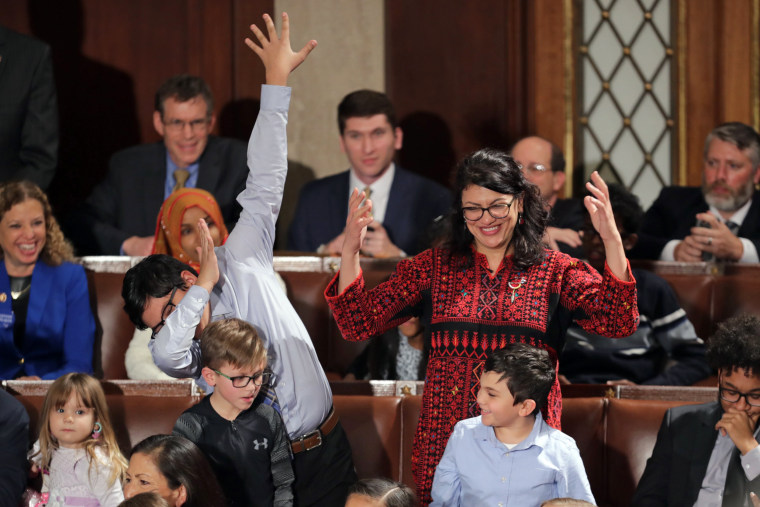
244,439
708,454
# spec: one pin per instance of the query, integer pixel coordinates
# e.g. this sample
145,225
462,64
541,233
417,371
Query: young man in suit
720,220
120,214
708,454
404,203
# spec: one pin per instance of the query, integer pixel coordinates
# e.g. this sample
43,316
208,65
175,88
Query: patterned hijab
169,224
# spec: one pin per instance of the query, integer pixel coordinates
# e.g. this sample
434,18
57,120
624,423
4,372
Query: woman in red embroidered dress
492,283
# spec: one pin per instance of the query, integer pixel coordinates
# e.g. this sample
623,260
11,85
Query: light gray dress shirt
711,493
248,288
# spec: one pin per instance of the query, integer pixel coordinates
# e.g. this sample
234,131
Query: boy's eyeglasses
258,379
733,396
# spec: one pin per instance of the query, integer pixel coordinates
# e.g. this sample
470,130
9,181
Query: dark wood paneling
463,64
718,72
111,56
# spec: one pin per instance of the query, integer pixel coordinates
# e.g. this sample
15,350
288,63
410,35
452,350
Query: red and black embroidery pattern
467,313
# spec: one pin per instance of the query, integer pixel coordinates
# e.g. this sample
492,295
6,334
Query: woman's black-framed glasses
475,213
164,314
241,381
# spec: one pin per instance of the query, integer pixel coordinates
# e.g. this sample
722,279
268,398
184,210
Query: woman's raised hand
275,52
359,217
600,209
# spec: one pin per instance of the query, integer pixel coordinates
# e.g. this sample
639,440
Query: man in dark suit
543,164
720,220
14,440
28,110
709,453
404,204
120,214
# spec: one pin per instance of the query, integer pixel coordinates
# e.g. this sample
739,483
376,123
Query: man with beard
720,221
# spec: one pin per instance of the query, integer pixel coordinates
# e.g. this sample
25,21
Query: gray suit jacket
126,203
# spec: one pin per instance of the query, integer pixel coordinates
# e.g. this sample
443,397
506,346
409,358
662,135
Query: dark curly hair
736,345
497,171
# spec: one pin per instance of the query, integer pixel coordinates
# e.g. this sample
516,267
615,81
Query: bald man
543,164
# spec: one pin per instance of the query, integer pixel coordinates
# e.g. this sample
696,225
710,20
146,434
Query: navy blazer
60,328
127,202
413,204
674,474
673,215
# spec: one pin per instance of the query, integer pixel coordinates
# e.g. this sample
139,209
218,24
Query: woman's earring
97,430
520,219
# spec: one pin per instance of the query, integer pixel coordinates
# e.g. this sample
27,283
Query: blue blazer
413,204
60,328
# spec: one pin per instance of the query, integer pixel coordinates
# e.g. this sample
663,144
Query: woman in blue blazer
46,324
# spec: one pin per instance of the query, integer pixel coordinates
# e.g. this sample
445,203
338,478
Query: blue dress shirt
248,288
478,469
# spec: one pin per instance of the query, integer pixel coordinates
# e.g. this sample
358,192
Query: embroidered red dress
468,312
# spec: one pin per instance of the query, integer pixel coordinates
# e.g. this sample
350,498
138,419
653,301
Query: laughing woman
491,284
46,324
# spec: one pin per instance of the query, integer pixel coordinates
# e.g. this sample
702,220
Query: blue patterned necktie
268,395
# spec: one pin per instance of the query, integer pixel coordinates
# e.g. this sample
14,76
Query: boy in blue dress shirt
509,456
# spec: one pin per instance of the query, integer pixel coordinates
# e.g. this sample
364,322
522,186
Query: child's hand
209,272
276,53
34,470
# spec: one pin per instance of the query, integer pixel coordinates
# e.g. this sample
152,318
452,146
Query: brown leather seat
373,426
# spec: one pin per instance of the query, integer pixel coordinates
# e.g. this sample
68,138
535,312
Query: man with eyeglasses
238,280
543,164
119,217
708,455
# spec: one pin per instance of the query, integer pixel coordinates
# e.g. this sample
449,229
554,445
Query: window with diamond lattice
626,95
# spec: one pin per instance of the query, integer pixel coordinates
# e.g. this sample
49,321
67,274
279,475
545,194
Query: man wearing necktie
404,204
708,455
120,214
719,221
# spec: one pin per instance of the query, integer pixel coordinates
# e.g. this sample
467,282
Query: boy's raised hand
275,52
